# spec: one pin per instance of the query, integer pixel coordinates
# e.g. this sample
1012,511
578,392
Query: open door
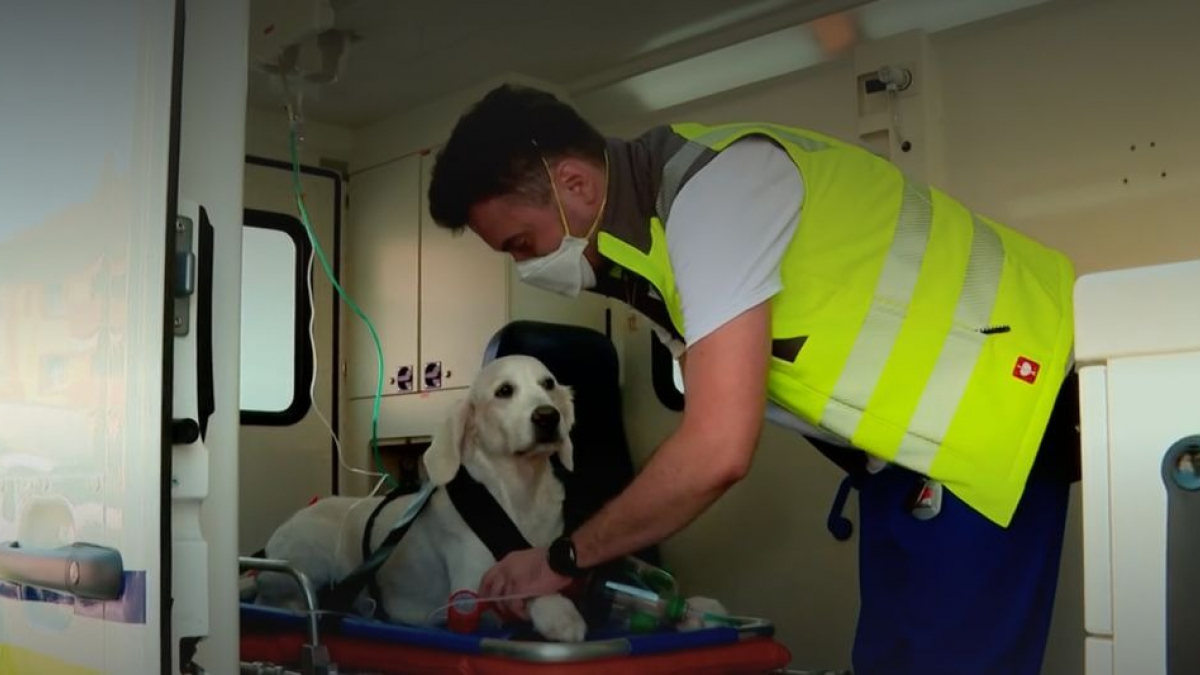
88,161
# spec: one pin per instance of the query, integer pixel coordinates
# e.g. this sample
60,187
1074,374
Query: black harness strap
340,596
391,497
485,516
373,585
482,513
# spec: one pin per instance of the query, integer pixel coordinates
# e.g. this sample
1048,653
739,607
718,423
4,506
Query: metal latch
184,283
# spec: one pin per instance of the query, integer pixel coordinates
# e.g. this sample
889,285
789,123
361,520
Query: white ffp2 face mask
565,271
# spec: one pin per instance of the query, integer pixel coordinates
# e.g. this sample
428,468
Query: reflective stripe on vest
876,339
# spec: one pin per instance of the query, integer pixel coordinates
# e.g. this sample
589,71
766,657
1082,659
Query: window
666,375
276,360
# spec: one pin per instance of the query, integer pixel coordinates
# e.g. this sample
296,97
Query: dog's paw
700,606
556,618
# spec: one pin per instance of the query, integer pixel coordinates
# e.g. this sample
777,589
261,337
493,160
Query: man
803,278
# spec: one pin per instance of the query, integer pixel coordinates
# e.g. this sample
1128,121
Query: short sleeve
728,230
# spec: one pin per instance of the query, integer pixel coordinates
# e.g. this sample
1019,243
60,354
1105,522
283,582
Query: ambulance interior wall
1041,110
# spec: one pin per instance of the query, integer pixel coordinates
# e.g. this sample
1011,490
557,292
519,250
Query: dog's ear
444,455
566,451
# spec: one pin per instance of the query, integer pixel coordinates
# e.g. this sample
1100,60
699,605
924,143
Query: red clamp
464,612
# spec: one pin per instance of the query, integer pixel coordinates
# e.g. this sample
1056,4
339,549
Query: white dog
514,419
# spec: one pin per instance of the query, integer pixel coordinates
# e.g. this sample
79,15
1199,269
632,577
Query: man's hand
521,573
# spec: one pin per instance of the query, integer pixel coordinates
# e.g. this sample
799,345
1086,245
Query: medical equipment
293,143
464,611
635,596
280,31
1138,350
639,610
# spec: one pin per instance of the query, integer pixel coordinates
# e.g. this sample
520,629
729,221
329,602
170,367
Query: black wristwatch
561,558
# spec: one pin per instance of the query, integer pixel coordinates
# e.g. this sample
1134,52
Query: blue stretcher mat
515,642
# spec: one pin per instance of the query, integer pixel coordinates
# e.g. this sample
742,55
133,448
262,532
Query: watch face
561,557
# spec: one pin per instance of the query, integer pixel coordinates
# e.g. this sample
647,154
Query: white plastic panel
1097,522
381,273
212,149
1145,310
1152,404
1098,656
86,92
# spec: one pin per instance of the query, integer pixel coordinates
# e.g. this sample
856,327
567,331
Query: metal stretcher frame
268,631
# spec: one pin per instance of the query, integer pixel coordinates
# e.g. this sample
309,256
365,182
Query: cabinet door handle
404,378
433,375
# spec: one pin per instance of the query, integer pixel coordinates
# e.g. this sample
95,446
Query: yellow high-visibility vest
925,334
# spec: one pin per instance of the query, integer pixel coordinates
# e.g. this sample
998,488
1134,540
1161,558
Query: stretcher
277,637
275,640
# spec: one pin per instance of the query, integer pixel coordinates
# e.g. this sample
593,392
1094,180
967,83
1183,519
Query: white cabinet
435,297
381,274
463,297
1138,346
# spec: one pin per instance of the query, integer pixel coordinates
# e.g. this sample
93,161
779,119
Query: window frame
662,375
302,365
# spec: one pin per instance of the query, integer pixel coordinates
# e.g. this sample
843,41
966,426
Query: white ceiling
413,51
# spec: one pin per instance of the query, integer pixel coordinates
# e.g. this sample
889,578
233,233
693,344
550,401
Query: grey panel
1181,475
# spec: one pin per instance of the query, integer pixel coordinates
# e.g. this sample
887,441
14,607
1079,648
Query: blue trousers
957,594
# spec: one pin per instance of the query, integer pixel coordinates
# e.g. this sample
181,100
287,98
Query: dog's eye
548,383
505,391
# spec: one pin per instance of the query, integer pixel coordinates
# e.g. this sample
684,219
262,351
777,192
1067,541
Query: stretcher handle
285,567
86,571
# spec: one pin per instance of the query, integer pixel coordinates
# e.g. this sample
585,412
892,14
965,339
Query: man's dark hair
496,149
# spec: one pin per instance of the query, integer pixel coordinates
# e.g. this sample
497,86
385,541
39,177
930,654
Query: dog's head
515,411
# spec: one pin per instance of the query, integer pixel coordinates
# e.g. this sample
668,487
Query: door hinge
183,284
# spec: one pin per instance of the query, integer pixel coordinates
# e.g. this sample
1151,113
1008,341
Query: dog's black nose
546,417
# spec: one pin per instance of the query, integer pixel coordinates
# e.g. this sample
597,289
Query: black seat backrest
585,360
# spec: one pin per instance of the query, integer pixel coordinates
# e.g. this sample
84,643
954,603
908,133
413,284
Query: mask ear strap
562,214
603,202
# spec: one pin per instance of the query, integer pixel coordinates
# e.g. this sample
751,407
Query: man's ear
566,451
444,456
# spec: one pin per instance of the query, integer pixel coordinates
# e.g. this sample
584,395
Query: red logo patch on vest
1026,370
